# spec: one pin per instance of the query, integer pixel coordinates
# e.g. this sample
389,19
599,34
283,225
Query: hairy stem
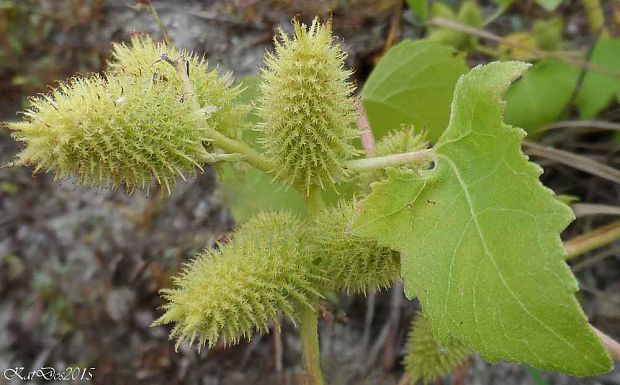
234,146
309,334
592,240
380,162
220,140
308,323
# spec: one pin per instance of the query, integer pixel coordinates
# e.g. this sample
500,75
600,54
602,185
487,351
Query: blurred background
80,268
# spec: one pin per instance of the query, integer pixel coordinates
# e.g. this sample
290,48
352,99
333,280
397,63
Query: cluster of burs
135,126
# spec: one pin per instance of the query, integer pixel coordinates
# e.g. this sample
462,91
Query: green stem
308,322
369,164
220,140
309,334
234,146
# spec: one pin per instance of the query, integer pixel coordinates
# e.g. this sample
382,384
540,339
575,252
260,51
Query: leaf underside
479,238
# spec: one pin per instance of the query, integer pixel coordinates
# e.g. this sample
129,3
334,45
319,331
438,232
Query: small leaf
541,96
598,89
548,33
412,84
479,239
420,7
251,191
504,4
549,5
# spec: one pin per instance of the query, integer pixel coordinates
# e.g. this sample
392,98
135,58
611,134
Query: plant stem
308,322
369,164
234,146
592,240
220,140
160,23
308,331
314,201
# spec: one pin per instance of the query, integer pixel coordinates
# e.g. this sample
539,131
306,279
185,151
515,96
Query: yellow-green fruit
351,263
426,358
215,94
240,288
110,132
306,107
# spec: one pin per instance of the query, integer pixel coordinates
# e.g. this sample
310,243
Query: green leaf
412,84
479,238
420,7
548,33
252,191
598,89
542,94
504,4
549,5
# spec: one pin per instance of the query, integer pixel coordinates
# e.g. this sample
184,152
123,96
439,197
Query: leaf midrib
499,272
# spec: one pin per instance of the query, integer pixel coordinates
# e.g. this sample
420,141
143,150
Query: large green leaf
542,95
598,89
479,238
412,84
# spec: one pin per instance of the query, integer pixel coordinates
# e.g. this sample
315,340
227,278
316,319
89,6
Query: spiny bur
353,264
215,94
230,293
306,107
111,132
427,359
130,126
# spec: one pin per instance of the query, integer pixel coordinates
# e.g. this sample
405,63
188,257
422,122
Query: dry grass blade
596,124
575,161
589,209
592,240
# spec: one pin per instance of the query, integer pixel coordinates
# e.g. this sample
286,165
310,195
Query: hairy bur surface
244,286
427,359
354,264
123,129
306,107
215,94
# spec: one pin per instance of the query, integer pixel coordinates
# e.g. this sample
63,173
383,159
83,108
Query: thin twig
565,56
600,124
366,136
589,209
611,345
589,241
596,258
573,160
160,23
